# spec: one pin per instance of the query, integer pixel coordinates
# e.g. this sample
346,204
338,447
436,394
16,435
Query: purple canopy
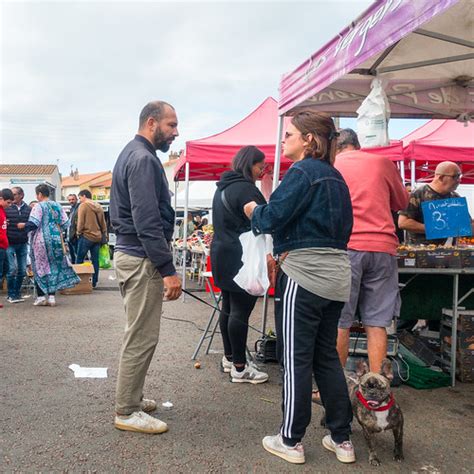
421,49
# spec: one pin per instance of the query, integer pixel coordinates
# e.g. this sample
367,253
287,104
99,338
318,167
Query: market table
455,273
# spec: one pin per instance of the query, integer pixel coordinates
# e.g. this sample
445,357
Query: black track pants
236,310
306,326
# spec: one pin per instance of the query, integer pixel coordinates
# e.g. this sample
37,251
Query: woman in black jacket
234,189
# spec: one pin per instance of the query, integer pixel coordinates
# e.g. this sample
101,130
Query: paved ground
50,421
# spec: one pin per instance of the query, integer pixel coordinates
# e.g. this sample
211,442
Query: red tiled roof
106,183
82,179
28,169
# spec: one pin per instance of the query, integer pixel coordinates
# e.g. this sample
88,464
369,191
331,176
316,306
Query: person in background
6,198
91,231
443,186
234,189
310,218
17,251
143,219
376,190
190,224
71,232
204,222
197,222
51,268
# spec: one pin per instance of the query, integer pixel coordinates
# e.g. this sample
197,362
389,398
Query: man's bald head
447,168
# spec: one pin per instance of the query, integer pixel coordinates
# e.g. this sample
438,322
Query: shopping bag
373,116
253,275
104,257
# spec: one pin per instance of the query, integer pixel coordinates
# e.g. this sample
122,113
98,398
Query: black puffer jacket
15,216
226,250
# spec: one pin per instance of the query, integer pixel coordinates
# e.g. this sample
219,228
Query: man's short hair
86,193
43,189
6,194
347,137
71,194
19,190
153,109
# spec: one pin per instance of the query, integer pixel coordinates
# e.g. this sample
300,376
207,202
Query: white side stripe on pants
288,358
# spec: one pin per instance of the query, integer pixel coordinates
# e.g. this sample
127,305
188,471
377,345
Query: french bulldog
375,408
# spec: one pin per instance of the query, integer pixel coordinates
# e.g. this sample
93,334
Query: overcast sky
75,75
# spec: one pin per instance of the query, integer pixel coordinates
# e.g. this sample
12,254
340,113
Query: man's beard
160,142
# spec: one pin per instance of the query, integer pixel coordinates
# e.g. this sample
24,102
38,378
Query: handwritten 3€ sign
446,218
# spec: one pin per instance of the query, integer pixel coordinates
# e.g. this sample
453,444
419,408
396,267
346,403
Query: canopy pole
175,218
276,165
185,228
413,175
402,170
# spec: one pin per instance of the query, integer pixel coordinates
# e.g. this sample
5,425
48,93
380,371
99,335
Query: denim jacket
311,208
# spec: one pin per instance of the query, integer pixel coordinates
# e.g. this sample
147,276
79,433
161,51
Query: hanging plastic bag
253,275
373,117
104,257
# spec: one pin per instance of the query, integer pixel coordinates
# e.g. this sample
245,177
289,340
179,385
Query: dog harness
367,405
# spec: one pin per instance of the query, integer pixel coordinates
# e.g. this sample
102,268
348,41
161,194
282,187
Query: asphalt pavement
53,422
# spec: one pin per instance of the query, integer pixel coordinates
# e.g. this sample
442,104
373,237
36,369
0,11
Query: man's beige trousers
141,287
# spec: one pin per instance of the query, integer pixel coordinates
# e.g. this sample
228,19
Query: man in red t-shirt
6,198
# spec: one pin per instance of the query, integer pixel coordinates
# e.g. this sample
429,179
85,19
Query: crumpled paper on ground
89,372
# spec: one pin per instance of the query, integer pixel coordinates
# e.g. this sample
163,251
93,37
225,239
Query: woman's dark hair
245,158
322,145
43,189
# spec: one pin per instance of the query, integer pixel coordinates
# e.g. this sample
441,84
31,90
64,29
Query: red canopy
441,140
210,157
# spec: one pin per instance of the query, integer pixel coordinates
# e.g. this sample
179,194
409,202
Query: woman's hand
21,225
272,269
249,207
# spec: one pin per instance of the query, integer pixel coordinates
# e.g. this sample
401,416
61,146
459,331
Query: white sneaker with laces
276,446
226,365
140,422
148,405
51,300
344,451
250,374
15,300
40,301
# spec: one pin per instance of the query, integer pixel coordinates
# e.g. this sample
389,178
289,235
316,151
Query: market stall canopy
441,140
210,157
421,49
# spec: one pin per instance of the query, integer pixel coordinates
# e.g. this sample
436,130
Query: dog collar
366,403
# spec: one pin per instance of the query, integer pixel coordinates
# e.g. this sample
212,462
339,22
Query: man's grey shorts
374,289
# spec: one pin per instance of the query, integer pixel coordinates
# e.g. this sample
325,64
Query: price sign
446,218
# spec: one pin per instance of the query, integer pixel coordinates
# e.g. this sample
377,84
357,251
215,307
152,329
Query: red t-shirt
3,229
376,189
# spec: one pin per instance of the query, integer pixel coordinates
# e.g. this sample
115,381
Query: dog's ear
361,367
386,369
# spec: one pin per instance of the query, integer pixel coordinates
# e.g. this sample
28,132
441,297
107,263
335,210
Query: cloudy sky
75,75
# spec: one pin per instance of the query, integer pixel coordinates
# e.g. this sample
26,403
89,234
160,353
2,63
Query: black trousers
40,292
236,310
306,326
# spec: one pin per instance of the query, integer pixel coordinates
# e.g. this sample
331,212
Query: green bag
104,257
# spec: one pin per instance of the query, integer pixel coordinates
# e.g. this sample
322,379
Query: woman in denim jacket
310,218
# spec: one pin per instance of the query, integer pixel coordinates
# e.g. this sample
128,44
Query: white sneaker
250,374
148,405
226,365
140,422
276,446
15,300
344,451
40,301
51,300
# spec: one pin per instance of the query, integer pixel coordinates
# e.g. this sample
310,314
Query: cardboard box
438,258
84,287
406,259
465,319
467,258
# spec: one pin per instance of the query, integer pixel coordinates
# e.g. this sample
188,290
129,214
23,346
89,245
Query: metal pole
402,171
276,165
413,174
185,228
175,217
454,328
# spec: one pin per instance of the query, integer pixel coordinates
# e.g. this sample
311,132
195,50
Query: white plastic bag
253,275
373,117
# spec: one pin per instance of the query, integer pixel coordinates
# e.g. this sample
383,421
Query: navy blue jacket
311,208
15,216
140,204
